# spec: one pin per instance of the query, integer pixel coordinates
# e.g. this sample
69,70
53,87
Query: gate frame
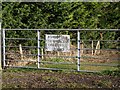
38,44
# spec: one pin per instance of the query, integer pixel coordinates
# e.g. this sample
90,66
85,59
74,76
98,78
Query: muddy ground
57,79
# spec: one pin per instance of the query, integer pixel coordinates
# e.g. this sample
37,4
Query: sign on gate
57,43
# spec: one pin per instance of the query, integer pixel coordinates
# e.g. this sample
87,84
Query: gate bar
68,29
20,38
4,48
38,33
78,43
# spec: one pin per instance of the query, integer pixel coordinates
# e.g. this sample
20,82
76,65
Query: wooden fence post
92,48
97,47
42,53
82,47
21,52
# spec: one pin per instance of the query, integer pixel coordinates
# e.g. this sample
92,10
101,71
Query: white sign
57,43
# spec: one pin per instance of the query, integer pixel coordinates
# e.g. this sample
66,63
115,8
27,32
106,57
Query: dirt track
50,79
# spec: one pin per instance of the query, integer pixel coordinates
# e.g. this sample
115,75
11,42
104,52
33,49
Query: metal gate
29,50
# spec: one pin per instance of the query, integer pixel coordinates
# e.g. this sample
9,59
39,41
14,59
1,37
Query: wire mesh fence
89,50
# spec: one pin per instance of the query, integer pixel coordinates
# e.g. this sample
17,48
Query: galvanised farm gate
60,49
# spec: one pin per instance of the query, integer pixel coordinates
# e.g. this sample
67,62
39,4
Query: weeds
111,73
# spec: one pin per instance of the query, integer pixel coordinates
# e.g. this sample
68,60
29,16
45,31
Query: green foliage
60,15
57,15
111,73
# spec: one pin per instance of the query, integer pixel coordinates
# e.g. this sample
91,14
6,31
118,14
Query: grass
97,68
73,65
25,70
27,78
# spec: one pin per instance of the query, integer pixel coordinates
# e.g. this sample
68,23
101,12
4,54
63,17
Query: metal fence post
78,43
0,57
0,48
38,34
4,63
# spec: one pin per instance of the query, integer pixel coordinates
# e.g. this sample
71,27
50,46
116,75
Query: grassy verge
93,66
115,72
68,65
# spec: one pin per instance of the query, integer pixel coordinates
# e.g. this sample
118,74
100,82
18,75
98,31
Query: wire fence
27,48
